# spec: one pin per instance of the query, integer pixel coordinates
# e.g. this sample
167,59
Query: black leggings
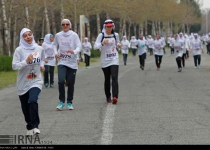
197,60
179,62
142,59
187,54
172,50
87,60
183,59
111,72
158,60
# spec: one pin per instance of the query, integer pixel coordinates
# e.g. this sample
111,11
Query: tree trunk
153,28
141,28
43,27
9,27
124,27
134,29
6,31
26,16
1,38
62,12
146,32
88,28
107,15
129,30
98,23
47,19
14,35
75,16
53,21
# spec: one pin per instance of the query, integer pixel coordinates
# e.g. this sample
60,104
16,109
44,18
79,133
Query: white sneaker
195,67
30,132
36,131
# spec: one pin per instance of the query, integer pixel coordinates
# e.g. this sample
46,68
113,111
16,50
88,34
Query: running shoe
66,84
30,132
60,106
109,100
51,85
46,85
70,106
199,66
36,131
180,69
114,101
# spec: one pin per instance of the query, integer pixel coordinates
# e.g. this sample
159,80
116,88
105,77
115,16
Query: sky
206,4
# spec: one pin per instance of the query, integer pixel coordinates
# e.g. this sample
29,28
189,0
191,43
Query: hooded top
49,51
109,53
196,45
69,32
125,45
86,47
29,74
23,43
133,42
67,41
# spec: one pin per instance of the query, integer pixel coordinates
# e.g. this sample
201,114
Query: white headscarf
47,38
86,39
69,32
23,43
124,38
104,26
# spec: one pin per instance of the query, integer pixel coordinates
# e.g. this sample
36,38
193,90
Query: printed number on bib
111,52
36,58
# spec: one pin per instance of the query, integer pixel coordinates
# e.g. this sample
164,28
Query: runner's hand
71,51
45,60
57,56
42,69
29,58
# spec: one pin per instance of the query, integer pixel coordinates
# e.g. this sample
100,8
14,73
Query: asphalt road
155,107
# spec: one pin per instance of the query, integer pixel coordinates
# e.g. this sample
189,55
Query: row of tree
131,17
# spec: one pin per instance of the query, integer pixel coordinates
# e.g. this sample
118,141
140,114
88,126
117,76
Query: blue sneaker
51,85
46,85
70,106
60,106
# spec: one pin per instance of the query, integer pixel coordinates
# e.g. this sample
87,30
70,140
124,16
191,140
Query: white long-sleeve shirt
29,75
158,47
187,44
109,53
86,48
141,46
196,46
66,43
182,39
49,54
150,43
133,44
125,46
178,46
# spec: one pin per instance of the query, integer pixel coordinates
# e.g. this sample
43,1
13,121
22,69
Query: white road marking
107,129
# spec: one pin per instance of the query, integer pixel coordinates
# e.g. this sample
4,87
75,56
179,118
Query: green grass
10,78
7,78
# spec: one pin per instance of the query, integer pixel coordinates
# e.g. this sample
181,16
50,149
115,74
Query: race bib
125,47
65,55
177,46
36,59
49,53
196,46
111,52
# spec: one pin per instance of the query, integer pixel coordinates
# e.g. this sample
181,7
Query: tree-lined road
155,107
